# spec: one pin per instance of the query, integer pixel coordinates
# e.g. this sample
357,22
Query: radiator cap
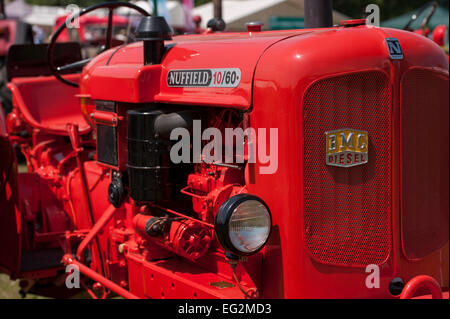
353,23
254,26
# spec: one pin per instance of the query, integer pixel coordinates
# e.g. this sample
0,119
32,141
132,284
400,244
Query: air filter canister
148,157
152,174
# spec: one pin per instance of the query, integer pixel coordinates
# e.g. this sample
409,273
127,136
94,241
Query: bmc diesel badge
347,147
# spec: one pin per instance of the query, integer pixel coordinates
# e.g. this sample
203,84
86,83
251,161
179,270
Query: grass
10,289
446,49
22,167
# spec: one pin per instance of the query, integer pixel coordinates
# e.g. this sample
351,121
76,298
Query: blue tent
439,17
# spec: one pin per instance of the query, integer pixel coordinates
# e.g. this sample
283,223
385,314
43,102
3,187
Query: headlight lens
243,224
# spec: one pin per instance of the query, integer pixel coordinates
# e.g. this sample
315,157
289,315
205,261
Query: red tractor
92,29
12,31
341,190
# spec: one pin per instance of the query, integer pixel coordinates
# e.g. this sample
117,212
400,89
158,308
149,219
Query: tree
389,8
63,3
84,3
352,8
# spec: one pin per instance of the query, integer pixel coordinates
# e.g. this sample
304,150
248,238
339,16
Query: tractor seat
47,104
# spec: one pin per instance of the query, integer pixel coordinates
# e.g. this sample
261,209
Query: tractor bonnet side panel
119,74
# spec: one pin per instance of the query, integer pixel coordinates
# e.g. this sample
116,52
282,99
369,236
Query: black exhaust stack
318,13
153,31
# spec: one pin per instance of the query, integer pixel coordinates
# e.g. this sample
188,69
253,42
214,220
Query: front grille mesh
347,211
425,171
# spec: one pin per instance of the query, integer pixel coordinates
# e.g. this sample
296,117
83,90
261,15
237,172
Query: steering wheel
56,70
433,4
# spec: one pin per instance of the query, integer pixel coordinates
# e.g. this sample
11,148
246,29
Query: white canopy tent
43,15
238,12
46,15
175,9
17,9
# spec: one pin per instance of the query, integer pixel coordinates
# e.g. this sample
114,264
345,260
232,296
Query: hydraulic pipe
104,219
69,260
76,145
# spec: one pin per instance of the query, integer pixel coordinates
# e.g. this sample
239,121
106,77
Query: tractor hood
215,69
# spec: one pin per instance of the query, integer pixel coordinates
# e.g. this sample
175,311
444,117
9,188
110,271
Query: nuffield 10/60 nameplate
212,78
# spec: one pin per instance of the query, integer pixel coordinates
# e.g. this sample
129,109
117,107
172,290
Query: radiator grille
347,211
425,158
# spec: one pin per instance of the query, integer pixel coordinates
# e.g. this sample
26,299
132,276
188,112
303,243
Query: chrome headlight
243,224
